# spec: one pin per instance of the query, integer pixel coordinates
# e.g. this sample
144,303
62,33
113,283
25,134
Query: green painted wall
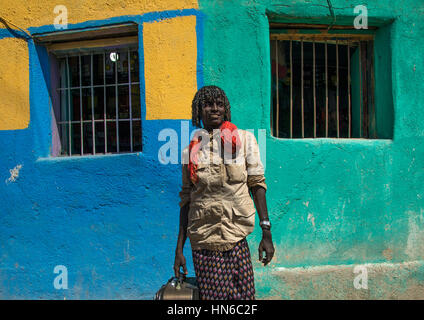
331,202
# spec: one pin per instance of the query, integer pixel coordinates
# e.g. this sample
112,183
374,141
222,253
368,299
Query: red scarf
227,136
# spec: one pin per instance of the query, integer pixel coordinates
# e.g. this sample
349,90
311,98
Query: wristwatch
265,224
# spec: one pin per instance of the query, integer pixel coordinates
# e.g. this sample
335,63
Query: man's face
213,115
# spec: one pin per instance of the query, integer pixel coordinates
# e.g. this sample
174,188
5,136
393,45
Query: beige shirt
221,210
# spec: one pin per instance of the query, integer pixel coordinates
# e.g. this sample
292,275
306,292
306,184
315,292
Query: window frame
91,47
340,34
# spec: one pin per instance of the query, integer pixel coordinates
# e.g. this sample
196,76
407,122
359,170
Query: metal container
179,289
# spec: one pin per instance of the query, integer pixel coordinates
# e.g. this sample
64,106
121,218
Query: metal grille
322,87
99,102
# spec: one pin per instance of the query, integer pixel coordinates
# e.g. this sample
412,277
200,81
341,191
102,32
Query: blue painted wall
111,220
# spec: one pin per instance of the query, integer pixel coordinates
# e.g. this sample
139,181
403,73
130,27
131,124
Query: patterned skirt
225,275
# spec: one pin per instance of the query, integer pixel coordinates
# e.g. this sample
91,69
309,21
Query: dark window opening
325,87
97,109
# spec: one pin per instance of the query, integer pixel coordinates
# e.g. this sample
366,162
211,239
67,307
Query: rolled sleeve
256,181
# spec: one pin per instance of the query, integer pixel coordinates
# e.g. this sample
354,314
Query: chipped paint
415,243
388,254
385,281
14,173
311,218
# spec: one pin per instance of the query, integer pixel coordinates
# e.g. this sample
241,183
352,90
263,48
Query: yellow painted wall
14,84
170,53
36,13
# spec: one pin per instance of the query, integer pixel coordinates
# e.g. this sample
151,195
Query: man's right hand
180,261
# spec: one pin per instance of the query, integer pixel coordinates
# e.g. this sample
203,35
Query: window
96,98
325,85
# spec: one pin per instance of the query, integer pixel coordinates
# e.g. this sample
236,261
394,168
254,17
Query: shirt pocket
195,218
243,218
196,212
204,220
203,172
236,173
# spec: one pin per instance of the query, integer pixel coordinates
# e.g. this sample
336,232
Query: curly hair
206,96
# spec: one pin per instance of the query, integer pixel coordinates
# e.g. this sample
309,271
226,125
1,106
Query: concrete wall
112,220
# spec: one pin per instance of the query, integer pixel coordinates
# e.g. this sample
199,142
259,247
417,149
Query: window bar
326,90
116,103
271,114
302,85
360,90
369,72
80,90
348,88
277,122
99,86
99,120
129,99
93,127
69,107
314,89
104,99
338,87
365,90
291,89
